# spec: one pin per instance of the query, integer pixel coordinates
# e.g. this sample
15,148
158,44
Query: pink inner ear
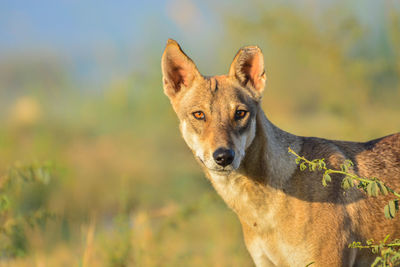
178,72
178,69
173,75
179,76
254,69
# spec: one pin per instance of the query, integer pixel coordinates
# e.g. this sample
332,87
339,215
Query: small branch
351,175
371,186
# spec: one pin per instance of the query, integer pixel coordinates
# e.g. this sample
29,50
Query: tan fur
288,217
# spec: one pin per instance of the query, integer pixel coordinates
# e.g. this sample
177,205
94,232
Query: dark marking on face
215,85
243,97
243,128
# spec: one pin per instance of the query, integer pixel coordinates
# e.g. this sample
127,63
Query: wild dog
288,217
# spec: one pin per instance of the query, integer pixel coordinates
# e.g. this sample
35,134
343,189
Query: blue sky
73,23
118,36
79,25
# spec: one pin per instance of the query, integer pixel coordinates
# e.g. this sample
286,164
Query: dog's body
288,217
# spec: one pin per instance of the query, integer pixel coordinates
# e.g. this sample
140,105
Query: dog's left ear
179,71
248,68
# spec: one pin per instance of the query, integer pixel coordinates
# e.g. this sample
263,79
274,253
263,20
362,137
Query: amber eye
199,115
240,114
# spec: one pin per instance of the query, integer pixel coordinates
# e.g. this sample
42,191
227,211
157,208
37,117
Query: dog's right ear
248,68
178,70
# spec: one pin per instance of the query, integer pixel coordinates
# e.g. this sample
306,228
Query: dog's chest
244,196
262,219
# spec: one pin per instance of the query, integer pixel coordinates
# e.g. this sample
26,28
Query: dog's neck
267,159
266,167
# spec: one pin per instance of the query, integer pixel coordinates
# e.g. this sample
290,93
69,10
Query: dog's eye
199,115
240,114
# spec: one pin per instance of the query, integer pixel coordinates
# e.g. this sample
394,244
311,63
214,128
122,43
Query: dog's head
217,114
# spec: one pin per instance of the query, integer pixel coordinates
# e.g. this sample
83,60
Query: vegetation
371,186
389,252
122,188
16,213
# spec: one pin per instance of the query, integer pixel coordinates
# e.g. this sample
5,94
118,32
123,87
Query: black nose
223,156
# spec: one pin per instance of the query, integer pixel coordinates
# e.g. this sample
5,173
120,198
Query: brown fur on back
361,217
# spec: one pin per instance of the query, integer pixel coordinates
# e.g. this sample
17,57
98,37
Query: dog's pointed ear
248,68
178,70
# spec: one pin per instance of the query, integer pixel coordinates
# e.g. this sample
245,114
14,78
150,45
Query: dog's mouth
222,170
202,162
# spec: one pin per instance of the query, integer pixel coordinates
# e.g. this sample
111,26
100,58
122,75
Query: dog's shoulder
387,147
376,158
333,152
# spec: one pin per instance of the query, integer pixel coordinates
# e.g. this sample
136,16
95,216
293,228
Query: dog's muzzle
223,156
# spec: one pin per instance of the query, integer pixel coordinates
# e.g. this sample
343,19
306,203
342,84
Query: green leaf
383,188
374,189
303,166
348,163
351,181
392,208
343,167
369,189
376,261
387,212
386,238
347,183
321,164
395,259
327,179
313,166
355,244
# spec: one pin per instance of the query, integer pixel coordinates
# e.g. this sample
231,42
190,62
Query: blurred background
93,170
